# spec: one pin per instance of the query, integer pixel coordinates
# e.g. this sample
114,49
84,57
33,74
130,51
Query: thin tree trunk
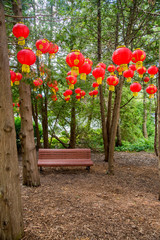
108,121
158,104
119,140
11,222
145,134
35,117
115,118
45,122
30,168
72,142
155,136
101,97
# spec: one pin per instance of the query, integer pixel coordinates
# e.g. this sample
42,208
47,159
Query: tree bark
45,122
119,140
29,159
158,104
72,142
155,136
115,119
11,222
35,117
145,134
101,97
108,121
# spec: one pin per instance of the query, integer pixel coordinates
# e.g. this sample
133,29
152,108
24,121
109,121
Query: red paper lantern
89,61
18,105
67,94
111,68
55,89
95,93
18,78
146,79
13,104
53,48
26,57
128,74
91,93
141,71
138,56
82,93
39,96
95,85
151,89
78,92
84,70
119,70
54,98
112,81
20,31
132,67
98,73
135,88
42,46
75,60
101,64
13,77
36,83
122,56
152,70
71,81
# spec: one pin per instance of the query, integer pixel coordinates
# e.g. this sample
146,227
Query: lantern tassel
38,53
119,73
16,82
139,64
11,84
21,41
135,94
111,88
99,80
151,95
151,76
129,79
74,70
83,76
124,67
25,68
140,75
51,55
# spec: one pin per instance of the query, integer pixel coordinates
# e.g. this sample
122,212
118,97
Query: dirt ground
74,204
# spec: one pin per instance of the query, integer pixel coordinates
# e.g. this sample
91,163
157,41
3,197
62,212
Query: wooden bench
65,158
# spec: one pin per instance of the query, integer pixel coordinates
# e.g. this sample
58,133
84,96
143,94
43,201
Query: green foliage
141,144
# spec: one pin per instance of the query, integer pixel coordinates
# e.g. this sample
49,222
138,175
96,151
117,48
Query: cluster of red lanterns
44,46
15,77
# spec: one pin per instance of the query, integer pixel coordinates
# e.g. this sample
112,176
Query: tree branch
126,102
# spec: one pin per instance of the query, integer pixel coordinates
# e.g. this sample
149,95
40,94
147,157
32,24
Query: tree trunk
35,117
45,122
158,104
115,118
119,140
72,142
108,121
155,136
145,134
29,159
101,97
11,223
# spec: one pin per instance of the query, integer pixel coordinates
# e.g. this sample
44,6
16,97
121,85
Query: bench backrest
77,153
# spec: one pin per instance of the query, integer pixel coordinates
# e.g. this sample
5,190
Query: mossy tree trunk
11,223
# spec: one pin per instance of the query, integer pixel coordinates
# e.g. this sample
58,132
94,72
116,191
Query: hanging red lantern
26,57
151,90
138,56
84,70
42,46
98,73
13,104
146,79
39,96
119,70
78,92
67,94
55,89
36,83
91,93
54,98
152,70
20,31
111,68
82,93
53,49
135,88
18,105
112,81
122,56
141,71
40,81
95,85
75,60
128,74
101,64
95,93
13,77
18,78
74,74
132,67
71,81
89,61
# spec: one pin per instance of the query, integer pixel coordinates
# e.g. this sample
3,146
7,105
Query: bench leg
88,168
40,169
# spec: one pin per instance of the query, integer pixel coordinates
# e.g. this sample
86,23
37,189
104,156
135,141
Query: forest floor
72,204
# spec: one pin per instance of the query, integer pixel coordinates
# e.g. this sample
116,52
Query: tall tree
29,159
11,223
